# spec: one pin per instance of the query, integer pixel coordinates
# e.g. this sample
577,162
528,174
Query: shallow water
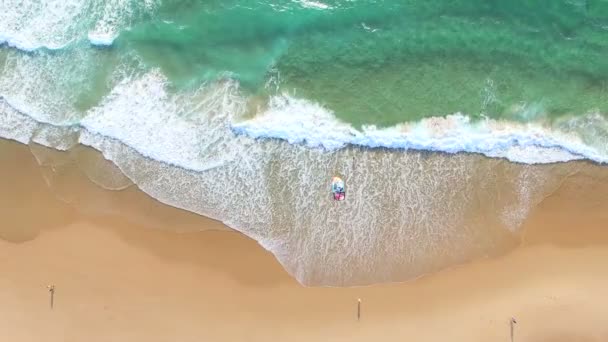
435,115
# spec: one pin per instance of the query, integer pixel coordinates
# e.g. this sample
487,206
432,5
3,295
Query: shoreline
525,144
123,277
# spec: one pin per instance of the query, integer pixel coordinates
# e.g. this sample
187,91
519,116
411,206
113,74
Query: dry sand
119,278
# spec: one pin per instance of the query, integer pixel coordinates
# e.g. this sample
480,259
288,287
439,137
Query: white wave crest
278,193
166,129
30,25
102,38
314,4
304,122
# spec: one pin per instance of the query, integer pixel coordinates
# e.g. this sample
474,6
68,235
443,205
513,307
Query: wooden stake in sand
52,292
513,322
358,309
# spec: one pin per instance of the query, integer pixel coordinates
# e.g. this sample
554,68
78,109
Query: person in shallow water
337,187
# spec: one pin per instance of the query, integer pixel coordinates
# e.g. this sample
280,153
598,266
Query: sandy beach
141,271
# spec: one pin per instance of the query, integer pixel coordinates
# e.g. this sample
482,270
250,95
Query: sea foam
300,121
53,25
31,25
166,129
407,213
404,214
101,38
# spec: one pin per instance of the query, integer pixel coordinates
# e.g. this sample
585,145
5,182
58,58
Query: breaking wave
54,25
407,213
304,122
262,165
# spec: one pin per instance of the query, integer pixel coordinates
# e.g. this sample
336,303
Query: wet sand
124,274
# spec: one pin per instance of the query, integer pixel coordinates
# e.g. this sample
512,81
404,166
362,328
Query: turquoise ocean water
243,110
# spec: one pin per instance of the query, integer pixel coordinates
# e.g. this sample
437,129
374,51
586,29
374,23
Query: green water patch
483,61
196,41
409,92
385,62
99,80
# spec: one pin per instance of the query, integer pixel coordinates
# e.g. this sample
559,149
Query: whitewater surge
300,121
407,213
263,165
53,25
